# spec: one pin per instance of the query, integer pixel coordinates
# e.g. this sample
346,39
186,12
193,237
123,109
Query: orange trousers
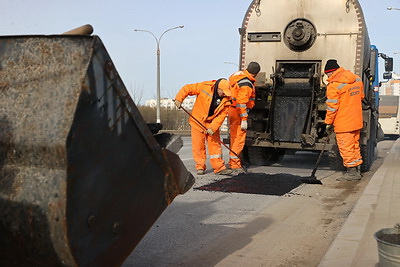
214,149
349,148
237,138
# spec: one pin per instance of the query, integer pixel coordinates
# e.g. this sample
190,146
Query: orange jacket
204,92
344,95
243,92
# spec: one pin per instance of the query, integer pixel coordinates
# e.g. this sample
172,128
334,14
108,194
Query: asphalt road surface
266,217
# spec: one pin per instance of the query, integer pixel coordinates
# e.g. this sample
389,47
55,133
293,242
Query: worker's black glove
328,129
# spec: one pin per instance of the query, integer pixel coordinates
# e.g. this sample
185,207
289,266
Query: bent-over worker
210,109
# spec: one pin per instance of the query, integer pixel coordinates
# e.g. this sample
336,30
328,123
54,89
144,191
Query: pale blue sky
195,53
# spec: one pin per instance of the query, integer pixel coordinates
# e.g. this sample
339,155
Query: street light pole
392,8
158,40
227,62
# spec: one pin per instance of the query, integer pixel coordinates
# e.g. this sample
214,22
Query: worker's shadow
256,183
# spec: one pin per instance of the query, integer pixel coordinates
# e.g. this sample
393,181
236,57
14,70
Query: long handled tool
222,143
313,179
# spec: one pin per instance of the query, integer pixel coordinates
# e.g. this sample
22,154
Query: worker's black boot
238,171
352,174
224,172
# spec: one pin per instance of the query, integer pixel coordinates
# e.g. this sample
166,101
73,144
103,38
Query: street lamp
158,40
226,62
392,8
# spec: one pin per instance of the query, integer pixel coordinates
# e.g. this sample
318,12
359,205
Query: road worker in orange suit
243,99
345,92
210,109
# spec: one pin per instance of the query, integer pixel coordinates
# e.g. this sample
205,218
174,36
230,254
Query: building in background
389,111
169,103
391,87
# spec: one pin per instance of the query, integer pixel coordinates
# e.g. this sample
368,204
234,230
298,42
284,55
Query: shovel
222,143
313,179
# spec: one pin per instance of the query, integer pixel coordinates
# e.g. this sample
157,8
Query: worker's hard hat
224,86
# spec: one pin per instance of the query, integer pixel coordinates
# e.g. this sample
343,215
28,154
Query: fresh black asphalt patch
255,183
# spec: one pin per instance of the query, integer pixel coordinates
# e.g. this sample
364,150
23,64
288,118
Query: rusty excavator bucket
82,177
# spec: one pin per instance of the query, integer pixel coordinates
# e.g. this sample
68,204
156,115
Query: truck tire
335,160
244,157
262,156
258,156
368,150
367,154
276,155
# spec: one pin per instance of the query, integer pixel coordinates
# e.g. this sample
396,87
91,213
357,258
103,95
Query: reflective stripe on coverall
344,93
204,92
349,148
243,98
214,150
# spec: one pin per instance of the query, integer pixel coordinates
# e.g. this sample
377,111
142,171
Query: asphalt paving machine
292,40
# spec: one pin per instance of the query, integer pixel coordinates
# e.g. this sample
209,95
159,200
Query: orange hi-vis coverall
204,92
344,93
243,98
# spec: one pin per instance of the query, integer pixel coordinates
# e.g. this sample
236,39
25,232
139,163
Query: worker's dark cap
331,65
223,84
253,68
